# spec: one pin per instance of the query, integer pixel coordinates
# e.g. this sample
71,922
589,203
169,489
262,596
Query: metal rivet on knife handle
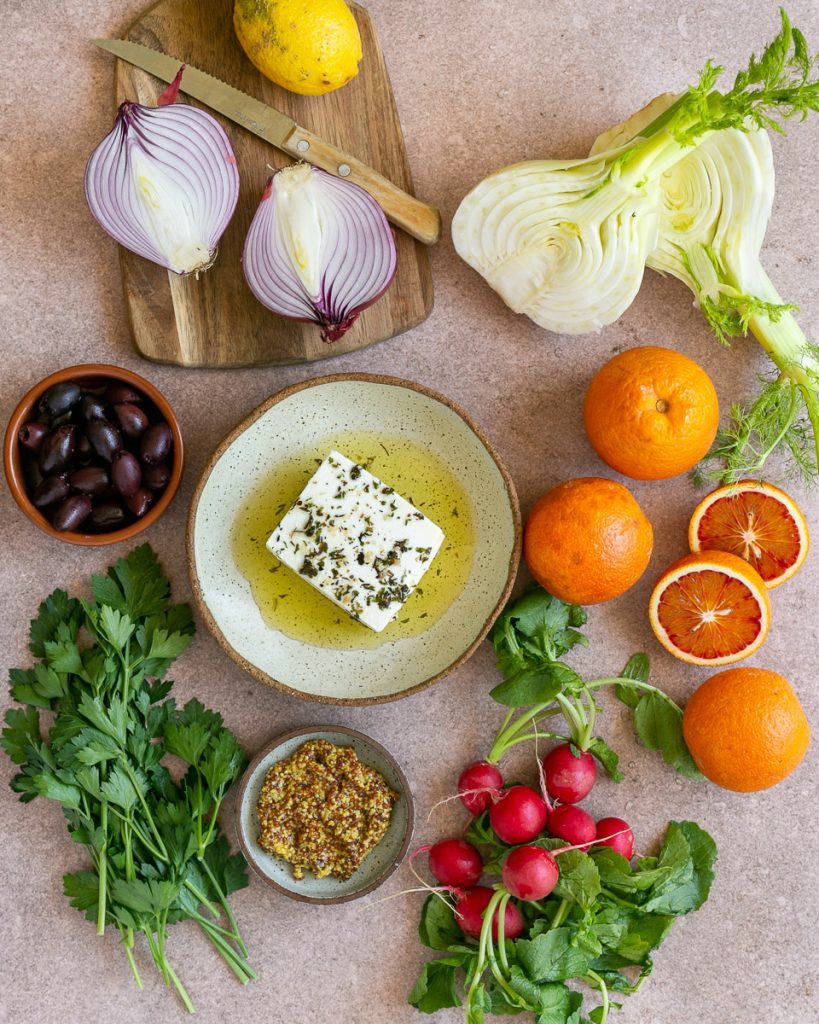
302,145
343,170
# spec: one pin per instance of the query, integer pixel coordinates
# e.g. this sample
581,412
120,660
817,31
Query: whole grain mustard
323,810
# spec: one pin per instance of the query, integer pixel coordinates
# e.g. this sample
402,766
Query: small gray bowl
379,863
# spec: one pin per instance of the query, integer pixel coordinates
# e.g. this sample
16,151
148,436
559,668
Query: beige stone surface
478,84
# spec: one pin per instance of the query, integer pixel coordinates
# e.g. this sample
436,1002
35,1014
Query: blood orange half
710,608
758,522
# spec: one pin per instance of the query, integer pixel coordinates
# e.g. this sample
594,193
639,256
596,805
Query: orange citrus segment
710,609
757,521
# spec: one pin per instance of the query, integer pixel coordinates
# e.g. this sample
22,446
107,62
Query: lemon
307,46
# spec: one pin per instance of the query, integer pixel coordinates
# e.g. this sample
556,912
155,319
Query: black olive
140,502
84,452
92,407
126,474
116,394
50,489
60,398
108,515
155,444
131,418
92,480
72,513
31,435
57,448
156,477
105,439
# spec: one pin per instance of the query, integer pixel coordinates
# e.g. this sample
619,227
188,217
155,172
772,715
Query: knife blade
417,218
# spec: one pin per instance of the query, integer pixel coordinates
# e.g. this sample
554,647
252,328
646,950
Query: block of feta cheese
356,541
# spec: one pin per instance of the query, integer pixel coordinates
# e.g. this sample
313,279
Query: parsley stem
102,869
135,782
243,971
225,905
127,943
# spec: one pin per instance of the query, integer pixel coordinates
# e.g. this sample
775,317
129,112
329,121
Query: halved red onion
164,183
319,249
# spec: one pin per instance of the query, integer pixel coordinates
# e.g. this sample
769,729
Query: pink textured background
478,85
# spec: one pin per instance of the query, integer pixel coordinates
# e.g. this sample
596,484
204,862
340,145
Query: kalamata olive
156,477
51,488
31,435
83,453
60,398
108,515
132,419
140,502
105,439
72,512
93,480
116,394
32,475
57,448
92,407
126,474
155,443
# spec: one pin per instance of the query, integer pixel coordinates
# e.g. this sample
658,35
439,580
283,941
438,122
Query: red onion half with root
164,182
319,249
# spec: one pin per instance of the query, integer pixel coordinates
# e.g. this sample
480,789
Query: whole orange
587,540
746,729
651,413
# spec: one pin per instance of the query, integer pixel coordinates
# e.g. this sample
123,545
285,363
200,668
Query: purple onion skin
105,439
72,513
57,448
126,474
155,444
49,490
32,434
132,420
156,477
194,146
139,503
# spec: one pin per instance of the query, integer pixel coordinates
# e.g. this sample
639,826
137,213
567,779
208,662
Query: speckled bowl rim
307,732
280,396
12,464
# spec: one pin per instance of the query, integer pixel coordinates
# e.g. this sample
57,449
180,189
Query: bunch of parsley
600,926
156,850
530,638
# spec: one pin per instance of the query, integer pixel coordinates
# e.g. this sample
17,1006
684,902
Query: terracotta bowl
379,863
89,375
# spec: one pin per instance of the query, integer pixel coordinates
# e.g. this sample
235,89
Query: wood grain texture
215,320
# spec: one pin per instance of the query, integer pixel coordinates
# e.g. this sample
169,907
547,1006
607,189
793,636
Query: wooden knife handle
416,218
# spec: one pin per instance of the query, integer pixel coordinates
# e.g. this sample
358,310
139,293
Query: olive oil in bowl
289,604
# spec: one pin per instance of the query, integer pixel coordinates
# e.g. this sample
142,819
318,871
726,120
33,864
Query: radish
455,862
530,872
617,834
574,825
479,784
519,814
569,777
471,906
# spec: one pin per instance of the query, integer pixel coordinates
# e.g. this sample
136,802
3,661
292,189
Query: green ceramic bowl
377,866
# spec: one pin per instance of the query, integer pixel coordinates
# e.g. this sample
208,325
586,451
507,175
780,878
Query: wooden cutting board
216,321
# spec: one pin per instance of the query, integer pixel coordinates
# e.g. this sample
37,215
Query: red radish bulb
530,873
573,824
607,829
478,785
519,814
455,862
568,778
470,909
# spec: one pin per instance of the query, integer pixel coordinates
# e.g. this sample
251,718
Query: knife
416,218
